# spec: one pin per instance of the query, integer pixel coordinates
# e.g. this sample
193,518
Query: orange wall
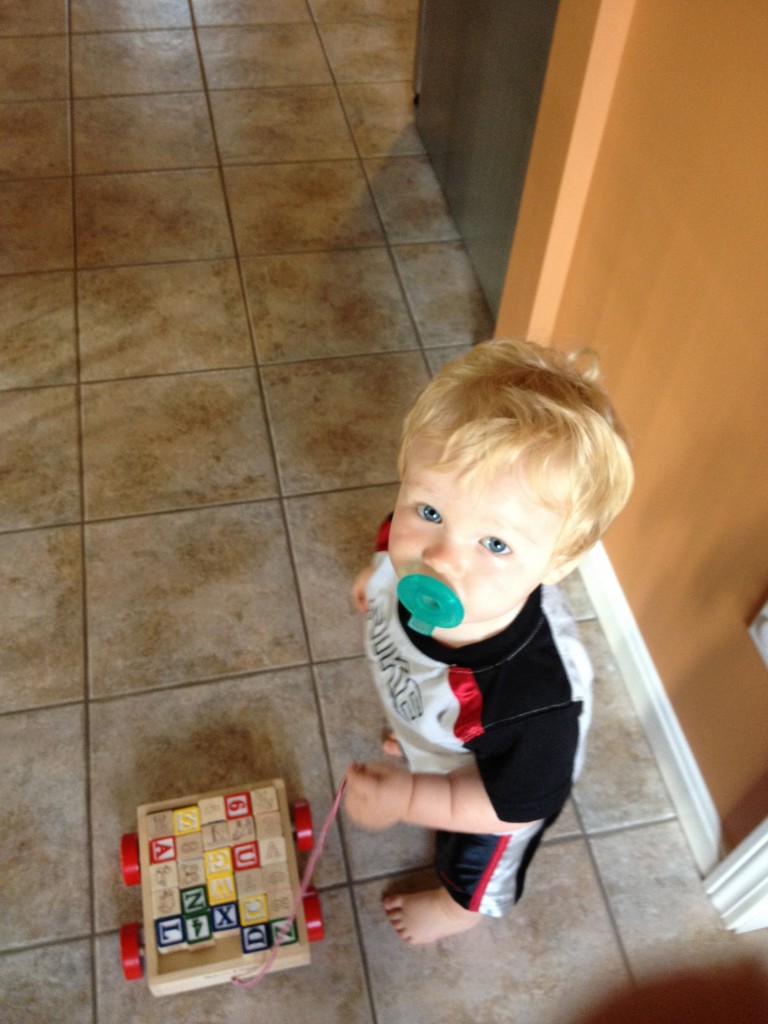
668,279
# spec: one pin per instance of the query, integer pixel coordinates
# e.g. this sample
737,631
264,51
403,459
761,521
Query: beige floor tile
152,217
621,783
107,64
381,117
41,636
353,721
362,10
35,226
34,68
409,200
438,357
98,16
313,305
370,51
37,330
249,12
27,980
300,122
337,422
143,133
447,302
578,597
553,954
45,868
290,207
331,989
35,139
136,321
190,596
45,17
163,443
248,56
201,738
333,537
664,917
39,462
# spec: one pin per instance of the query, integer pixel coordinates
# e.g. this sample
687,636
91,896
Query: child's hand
378,794
359,596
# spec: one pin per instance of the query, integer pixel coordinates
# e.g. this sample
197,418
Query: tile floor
225,269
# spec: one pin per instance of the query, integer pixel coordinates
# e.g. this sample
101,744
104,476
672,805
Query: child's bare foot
390,745
422,917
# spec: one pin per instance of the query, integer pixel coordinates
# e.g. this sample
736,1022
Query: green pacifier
430,603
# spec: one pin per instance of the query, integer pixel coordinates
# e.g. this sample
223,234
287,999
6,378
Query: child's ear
559,569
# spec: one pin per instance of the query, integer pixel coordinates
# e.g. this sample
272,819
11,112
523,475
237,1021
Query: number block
237,805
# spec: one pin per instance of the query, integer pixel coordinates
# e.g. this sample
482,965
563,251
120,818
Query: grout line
86,752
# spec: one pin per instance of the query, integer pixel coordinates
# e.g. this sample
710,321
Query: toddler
512,465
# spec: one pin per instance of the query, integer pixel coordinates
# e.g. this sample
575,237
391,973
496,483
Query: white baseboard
687,789
739,886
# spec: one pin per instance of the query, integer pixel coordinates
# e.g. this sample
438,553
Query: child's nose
445,558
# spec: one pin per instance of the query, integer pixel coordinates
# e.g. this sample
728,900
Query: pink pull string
285,928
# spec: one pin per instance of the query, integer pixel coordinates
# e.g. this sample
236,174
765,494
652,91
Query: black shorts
486,873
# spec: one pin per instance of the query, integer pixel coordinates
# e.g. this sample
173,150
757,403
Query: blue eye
429,513
496,546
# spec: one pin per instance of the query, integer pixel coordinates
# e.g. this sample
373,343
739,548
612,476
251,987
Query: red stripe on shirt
466,691
498,853
382,540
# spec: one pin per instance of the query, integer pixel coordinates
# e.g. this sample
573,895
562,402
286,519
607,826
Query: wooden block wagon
219,879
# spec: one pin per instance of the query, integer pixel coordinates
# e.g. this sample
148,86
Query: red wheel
130,952
302,825
313,915
129,858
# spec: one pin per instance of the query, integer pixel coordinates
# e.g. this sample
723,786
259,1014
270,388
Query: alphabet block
165,903
272,850
163,876
169,931
245,856
193,901
248,883
253,909
211,809
189,846
242,830
221,889
256,939
186,819
191,872
280,903
160,824
224,918
161,850
269,825
264,799
279,934
218,862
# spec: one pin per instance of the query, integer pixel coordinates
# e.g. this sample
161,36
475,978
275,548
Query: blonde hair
505,402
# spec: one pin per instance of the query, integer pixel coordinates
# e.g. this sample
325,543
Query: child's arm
380,795
359,596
